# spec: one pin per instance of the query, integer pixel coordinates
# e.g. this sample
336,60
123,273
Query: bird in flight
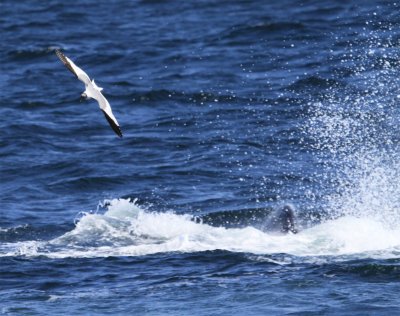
91,91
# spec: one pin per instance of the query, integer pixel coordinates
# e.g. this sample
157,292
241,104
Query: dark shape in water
266,219
286,220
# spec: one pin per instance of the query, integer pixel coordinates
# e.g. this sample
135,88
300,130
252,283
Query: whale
281,220
285,220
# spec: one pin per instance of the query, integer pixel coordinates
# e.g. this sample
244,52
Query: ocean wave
126,229
185,96
247,31
29,53
316,82
26,232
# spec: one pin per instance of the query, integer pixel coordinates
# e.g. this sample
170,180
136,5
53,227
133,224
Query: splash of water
127,230
353,135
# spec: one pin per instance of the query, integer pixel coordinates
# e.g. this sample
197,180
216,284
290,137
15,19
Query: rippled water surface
229,110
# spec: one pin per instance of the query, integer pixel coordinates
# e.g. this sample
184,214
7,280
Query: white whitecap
127,230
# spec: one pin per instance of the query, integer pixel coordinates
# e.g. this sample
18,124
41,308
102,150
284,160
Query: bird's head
83,96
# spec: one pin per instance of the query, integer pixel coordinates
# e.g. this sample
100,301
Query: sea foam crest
125,229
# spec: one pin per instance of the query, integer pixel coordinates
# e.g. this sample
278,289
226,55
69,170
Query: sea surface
230,110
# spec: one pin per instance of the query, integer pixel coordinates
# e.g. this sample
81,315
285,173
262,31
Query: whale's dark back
287,220
267,219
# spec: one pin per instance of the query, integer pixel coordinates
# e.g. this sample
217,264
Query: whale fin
283,220
287,220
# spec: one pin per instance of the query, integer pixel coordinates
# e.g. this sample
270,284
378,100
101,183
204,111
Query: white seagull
91,91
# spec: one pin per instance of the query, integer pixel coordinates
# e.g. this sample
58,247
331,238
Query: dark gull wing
78,72
106,108
113,125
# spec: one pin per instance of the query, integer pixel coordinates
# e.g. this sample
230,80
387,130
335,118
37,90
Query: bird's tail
96,85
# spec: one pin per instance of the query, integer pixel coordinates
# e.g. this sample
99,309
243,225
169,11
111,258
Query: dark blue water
229,110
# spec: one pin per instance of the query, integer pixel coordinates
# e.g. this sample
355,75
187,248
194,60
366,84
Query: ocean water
230,110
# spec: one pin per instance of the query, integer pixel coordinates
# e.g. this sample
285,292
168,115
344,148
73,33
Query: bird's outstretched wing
92,91
78,72
106,109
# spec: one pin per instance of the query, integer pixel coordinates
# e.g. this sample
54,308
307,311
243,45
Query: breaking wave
126,229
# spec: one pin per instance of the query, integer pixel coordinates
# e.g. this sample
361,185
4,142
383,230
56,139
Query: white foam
127,230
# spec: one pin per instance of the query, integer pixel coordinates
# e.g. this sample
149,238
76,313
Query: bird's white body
92,91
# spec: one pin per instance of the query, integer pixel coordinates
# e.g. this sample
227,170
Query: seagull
91,91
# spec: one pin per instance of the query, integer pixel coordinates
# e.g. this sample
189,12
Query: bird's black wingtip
60,54
116,128
113,125
64,60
